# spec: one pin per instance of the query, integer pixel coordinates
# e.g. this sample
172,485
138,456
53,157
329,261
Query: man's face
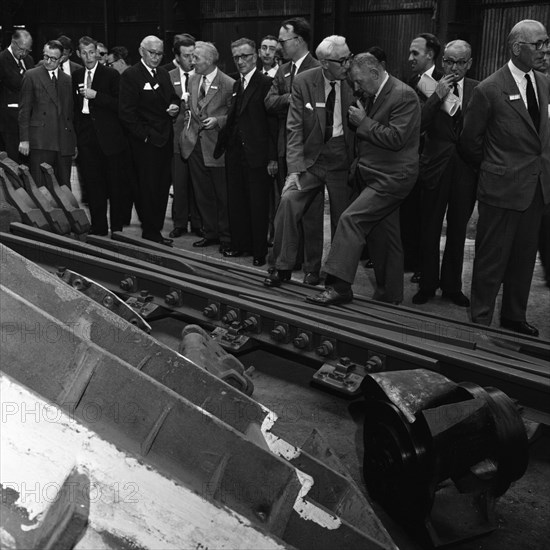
420,58
185,58
201,61
456,62
152,54
66,54
21,47
52,58
363,80
88,54
337,64
289,41
245,58
102,54
267,52
528,57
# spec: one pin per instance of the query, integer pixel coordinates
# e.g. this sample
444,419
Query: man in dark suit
46,129
250,156
147,105
208,100
447,182
319,149
100,138
14,61
294,38
507,136
388,137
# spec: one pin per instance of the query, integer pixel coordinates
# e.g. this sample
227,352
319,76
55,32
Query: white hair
326,47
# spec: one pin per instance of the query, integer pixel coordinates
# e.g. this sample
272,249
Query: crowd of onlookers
249,155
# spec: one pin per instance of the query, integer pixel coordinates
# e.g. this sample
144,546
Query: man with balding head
147,106
15,60
447,183
506,136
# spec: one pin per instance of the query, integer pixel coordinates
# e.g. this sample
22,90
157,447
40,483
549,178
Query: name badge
16,105
147,86
287,75
515,97
156,86
320,105
177,83
234,94
214,87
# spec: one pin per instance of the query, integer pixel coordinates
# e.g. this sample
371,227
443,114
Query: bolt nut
108,301
210,311
301,341
325,349
172,298
127,284
278,333
230,316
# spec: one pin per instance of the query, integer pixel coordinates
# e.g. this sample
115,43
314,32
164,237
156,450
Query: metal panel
389,5
213,9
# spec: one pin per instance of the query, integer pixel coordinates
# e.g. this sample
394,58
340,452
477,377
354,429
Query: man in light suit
294,38
100,138
448,184
319,150
14,61
46,130
388,134
147,105
184,208
507,136
210,92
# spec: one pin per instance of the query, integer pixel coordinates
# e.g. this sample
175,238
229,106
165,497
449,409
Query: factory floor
522,514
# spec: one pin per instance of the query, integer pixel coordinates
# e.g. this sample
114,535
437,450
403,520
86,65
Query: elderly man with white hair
147,105
319,149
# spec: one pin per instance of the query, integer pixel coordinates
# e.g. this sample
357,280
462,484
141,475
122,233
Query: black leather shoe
167,242
330,297
277,276
205,242
312,278
416,277
259,261
456,298
230,253
177,232
523,327
422,296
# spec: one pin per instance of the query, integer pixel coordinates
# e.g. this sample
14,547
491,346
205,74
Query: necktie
154,71
202,91
89,79
329,111
21,66
292,74
532,105
239,97
457,94
186,83
54,79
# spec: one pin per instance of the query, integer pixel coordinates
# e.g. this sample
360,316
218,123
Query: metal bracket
230,338
143,304
344,377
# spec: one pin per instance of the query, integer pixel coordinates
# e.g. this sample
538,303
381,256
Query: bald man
147,106
506,136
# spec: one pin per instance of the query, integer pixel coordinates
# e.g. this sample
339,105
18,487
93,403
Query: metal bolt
278,333
301,341
230,316
81,284
374,364
61,270
345,361
172,298
250,323
108,301
325,349
127,284
210,311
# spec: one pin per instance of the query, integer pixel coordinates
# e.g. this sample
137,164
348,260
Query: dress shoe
416,277
177,232
277,276
224,247
456,298
312,278
205,242
369,264
330,297
167,242
523,327
259,261
422,296
230,253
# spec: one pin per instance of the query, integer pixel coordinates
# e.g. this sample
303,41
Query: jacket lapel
49,86
510,89
381,96
250,89
319,98
542,92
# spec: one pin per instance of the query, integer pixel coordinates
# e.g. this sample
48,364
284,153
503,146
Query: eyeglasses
287,39
154,54
102,53
460,63
539,44
23,50
342,61
244,57
50,58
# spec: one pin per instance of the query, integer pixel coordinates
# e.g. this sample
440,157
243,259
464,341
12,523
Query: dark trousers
184,206
456,194
506,249
61,165
210,190
410,216
102,176
152,165
248,201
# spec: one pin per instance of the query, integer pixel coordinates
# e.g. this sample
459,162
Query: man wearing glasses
506,136
319,150
46,129
15,60
447,182
147,106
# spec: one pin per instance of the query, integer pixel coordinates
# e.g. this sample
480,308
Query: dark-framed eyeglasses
287,39
50,58
460,63
153,53
342,61
539,44
102,53
244,57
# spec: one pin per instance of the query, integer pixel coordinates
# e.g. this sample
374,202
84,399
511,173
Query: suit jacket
10,90
306,120
441,137
251,127
277,100
143,103
501,140
216,103
103,108
388,139
46,112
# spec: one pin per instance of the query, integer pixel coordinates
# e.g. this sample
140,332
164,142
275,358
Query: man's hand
292,182
444,86
75,153
272,168
88,93
173,110
209,123
24,148
356,114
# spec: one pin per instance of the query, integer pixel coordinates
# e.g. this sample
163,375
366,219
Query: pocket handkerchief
308,106
147,86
